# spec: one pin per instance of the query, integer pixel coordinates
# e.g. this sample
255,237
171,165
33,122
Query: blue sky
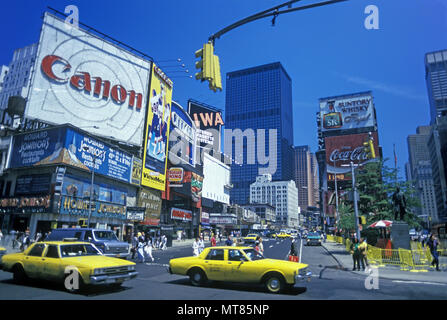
327,51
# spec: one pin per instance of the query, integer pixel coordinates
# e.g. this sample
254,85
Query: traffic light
82,223
206,62
368,147
209,66
216,82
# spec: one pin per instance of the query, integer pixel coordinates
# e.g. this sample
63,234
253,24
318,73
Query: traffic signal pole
268,13
356,210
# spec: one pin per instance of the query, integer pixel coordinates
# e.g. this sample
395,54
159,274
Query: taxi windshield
253,254
78,250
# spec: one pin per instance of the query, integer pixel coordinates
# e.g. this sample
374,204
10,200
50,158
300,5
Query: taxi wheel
274,283
19,275
197,277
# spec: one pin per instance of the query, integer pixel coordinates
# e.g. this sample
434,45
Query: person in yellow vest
363,247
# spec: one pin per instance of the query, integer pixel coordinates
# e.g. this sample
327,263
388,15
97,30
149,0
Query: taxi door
214,264
32,262
239,269
52,266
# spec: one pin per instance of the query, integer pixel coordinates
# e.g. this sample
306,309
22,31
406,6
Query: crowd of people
144,243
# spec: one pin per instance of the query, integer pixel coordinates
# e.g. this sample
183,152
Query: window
78,235
215,254
52,252
88,234
37,250
236,255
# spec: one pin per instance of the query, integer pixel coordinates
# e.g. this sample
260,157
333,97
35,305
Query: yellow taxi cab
283,235
240,264
58,260
250,238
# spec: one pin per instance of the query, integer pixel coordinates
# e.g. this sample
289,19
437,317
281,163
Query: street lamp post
356,211
91,188
336,196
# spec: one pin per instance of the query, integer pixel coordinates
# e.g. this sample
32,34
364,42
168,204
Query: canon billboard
84,80
347,112
341,150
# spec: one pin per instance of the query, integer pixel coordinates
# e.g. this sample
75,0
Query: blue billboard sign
65,145
183,142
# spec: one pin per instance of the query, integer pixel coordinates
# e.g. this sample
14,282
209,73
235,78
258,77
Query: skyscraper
259,98
16,80
302,169
420,171
436,78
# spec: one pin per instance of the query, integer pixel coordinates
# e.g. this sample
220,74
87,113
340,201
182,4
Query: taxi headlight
302,272
98,271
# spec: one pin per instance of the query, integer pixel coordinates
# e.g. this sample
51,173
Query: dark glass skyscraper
436,78
260,98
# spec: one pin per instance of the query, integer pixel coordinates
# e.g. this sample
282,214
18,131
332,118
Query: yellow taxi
250,238
240,264
60,260
283,235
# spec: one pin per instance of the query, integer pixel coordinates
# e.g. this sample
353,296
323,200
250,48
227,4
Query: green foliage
376,184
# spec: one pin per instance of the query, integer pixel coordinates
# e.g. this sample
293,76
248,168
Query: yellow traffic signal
371,147
206,62
216,83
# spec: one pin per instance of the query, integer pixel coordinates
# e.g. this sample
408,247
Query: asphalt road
154,282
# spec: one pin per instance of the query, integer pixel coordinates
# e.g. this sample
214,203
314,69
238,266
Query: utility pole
354,188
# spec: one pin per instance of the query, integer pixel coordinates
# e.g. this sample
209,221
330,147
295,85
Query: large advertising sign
181,214
341,150
89,82
151,201
157,130
33,184
216,177
64,145
206,117
182,136
347,112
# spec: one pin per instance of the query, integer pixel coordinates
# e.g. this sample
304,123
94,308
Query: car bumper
302,280
122,255
314,242
106,279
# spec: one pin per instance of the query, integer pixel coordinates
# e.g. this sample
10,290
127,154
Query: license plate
118,255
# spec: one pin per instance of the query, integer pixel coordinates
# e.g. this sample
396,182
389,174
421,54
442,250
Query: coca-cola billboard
89,82
341,150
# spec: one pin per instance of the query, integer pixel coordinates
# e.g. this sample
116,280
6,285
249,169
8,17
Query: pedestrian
228,242
213,240
164,242
261,246
140,250
201,244
148,249
354,249
1,237
363,247
433,245
38,237
234,244
26,241
195,247
257,247
134,245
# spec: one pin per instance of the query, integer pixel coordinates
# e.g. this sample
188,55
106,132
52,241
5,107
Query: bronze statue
400,203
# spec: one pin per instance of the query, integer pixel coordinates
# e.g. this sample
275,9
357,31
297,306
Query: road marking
271,246
156,264
420,282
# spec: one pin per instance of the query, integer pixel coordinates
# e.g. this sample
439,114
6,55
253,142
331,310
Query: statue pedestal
400,235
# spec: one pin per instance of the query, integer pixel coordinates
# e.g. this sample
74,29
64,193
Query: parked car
49,260
240,264
105,240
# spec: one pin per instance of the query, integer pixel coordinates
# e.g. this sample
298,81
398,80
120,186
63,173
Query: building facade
259,98
282,195
420,171
16,81
436,79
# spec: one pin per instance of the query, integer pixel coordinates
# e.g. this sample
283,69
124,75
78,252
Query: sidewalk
344,259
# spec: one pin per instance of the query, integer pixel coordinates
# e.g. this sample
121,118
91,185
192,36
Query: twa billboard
84,80
208,121
341,150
